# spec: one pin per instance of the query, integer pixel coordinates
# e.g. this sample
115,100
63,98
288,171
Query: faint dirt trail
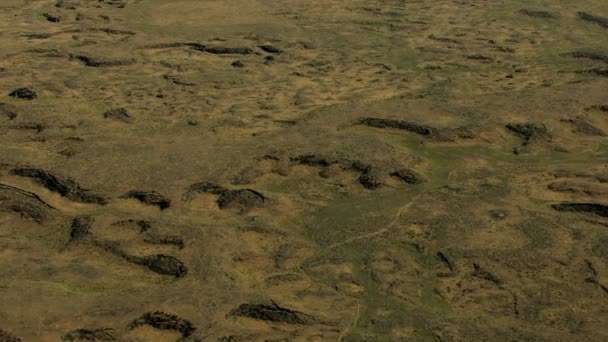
379,232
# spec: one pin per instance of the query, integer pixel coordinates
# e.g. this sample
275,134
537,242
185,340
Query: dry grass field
303,170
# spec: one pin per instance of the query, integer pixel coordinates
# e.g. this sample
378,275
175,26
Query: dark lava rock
81,227
270,49
271,313
370,180
313,160
398,124
229,50
593,19
65,187
581,125
23,203
205,187
482,273
243,198
529,131
143,225
99,62
104,334
238,64
588,54
165,240
161,264
164,321
601,108
593,208
118,114
150,198
538,14
5,336
409,176
55,18
23,93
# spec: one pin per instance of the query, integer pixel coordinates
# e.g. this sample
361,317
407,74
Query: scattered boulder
164,321
272,313
149,198
23,93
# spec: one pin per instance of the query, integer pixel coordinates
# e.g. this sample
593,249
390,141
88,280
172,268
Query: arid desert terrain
303,170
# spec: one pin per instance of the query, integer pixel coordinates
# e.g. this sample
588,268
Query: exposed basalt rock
23,93
5,336
398,124
593,19
165,240
530,131
157,263
164,321
593,208
423,130
65,187
581,125
100,62
227,50
103,334
120,114
587,54
482,273
161,264
270,49
601,108
149,198
80,229
55,18
9,111
585,188
204,187
594,71
241,198
24,203
538,14
272,313
409,176
313,160
143,225
238,64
